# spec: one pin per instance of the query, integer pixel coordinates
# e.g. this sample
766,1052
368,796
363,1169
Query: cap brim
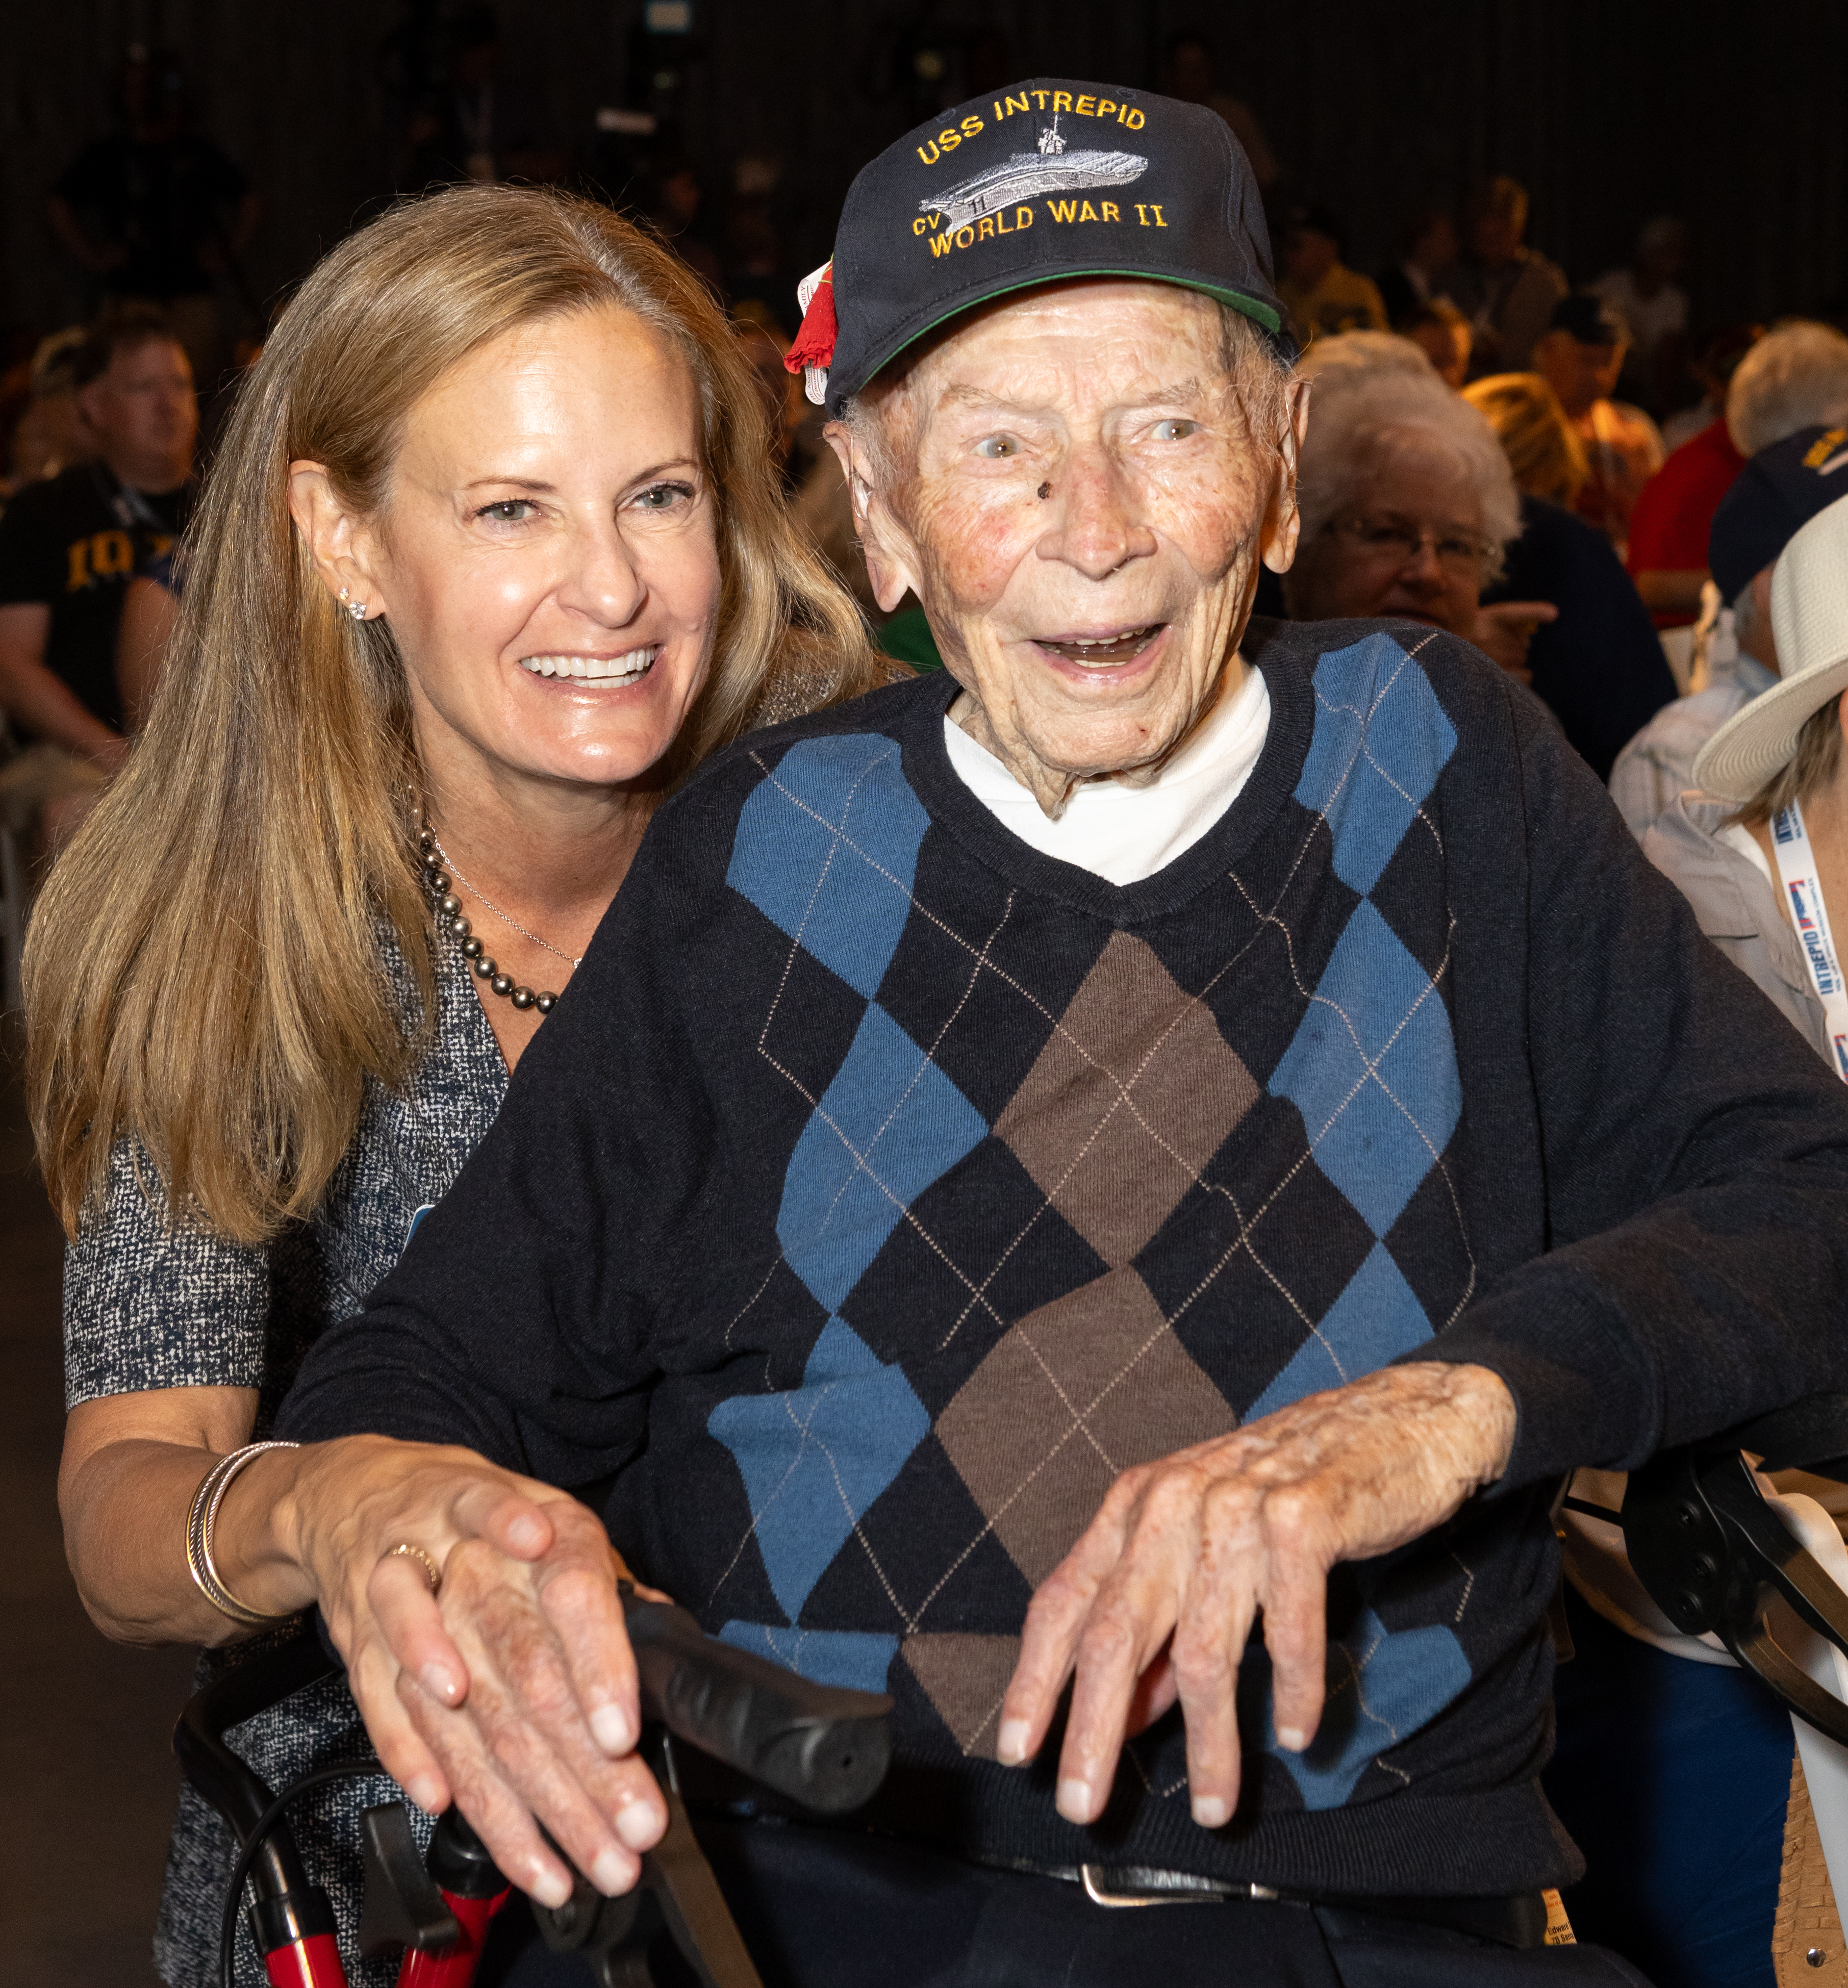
1756,743
1265,316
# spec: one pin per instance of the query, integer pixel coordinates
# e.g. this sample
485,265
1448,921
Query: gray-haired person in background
1778,492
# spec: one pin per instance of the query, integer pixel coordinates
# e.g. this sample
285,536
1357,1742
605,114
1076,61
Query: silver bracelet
200,1520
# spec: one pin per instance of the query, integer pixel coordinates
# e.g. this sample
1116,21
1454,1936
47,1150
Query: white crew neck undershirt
1120,833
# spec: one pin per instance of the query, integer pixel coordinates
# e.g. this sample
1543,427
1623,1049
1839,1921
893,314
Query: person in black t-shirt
156,211
68,547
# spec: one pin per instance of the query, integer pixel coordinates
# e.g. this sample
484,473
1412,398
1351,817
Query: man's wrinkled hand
512,1690
1156,1601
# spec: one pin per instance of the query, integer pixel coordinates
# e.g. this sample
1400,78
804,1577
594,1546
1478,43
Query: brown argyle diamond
1074,1395
965,1677
1128,1101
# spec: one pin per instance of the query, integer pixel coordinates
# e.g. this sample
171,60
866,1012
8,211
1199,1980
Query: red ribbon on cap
814,344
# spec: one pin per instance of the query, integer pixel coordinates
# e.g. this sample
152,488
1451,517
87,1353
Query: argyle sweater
882,1188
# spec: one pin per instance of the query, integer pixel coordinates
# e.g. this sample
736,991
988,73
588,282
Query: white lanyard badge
1803,886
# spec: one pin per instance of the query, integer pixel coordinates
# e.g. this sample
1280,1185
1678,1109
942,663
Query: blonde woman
1598,665
492,555
1543,448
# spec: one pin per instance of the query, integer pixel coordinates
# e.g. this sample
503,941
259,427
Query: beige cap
1809,617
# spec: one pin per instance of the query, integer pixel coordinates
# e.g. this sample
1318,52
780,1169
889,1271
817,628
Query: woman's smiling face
546,554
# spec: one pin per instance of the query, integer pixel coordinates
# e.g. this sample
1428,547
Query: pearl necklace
450,919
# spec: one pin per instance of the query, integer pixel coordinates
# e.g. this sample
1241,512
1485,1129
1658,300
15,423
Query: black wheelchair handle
820,1745
1715,1557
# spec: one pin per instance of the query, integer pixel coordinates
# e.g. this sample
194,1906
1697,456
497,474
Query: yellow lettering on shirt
941,245
970,126
947,139
78,576
929,157
1157,211
1023,217
1136,120
1105,108
1063,210
1086,106
1089,213
1061,100
1013,103
112,554
1110,212
985,228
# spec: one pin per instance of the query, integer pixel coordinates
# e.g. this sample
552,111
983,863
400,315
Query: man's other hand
1155,1603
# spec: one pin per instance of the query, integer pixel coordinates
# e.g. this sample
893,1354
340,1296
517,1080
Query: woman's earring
355,608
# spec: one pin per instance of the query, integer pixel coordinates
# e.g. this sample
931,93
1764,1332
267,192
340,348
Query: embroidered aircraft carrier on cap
1045,180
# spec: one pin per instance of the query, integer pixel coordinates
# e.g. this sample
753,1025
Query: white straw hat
1809,618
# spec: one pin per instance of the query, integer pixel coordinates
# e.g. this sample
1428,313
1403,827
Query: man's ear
345,552
1283,521
891,562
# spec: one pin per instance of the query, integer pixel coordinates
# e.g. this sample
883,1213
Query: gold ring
432,1573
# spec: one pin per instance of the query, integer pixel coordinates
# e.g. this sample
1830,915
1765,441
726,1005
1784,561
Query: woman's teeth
594,669
1102,651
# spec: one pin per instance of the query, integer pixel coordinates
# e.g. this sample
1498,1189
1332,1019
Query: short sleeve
29,558
149,1304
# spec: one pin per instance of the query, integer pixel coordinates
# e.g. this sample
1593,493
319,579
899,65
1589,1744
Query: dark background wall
1610,110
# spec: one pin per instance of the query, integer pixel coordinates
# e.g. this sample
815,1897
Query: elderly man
1174,1122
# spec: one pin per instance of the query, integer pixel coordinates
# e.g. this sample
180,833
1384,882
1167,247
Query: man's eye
663,496
997,447
507,511
1175,430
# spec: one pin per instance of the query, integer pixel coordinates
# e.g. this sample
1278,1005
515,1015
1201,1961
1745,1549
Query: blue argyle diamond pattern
1373,1321
815,1457
1373,1069
1382,1686
890,1124
827,848
857,1658
1381,739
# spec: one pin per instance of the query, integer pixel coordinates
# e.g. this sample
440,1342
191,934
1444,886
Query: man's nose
602,583
1094,526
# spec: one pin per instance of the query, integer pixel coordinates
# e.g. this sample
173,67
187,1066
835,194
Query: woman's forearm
131,1465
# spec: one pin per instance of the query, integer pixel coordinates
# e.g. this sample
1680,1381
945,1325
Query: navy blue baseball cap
1029,185
1776,494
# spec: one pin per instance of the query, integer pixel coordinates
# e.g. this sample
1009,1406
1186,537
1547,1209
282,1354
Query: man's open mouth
630,668
1102,652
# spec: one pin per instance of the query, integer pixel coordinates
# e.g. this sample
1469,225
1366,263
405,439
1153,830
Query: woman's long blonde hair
206,973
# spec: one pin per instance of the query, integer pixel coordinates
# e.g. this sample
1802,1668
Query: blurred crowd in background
1616,406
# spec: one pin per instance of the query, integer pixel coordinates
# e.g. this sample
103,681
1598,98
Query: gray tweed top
149,1306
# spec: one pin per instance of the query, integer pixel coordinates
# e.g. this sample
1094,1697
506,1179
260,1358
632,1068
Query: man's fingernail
1075,1800
612,1873
1292,1739
611,1729
1210,1813
547,1886
428,1794
436,1679
1011,1746
638,1824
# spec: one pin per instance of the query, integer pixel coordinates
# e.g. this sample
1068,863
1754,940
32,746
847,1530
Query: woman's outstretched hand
512,1690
